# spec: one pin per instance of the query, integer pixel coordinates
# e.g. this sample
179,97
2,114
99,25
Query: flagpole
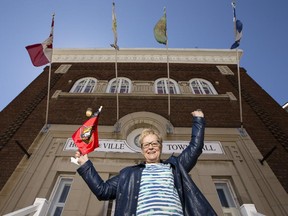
160,34
168,67
115,46
169,128
117,125
49,75
117,94
239,89
238,63
168,75
48,98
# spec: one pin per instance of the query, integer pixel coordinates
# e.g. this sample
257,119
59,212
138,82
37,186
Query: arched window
84,85
201,86
161,86
123,86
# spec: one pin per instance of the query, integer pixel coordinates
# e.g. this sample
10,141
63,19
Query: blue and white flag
238,28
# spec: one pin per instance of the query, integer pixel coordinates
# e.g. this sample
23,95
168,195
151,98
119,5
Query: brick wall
257,107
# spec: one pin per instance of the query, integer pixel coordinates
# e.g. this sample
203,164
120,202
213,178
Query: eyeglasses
153,143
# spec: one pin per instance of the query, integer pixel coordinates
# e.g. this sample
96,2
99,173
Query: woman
154,187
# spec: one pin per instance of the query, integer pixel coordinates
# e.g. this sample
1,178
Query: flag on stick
114,27
238,28
41,53
86,137
160,29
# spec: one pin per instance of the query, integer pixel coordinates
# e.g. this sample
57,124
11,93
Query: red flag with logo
86,137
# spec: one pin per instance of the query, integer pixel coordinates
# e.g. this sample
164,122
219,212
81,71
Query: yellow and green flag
160,29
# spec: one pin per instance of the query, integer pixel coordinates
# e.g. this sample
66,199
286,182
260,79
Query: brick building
230,172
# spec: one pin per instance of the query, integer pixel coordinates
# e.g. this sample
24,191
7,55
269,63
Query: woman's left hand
198,113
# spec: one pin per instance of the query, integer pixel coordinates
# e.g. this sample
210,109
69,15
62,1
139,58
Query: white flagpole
117,84
238,67
239,88
49,75
169,128
114,29
48,96
168,75
168,68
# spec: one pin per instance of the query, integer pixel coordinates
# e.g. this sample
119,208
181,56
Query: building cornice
148,55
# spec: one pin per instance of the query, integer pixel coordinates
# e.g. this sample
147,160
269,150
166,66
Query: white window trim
87,80
120,80
57,191
112,209
106,205
199,80
176,87
233,203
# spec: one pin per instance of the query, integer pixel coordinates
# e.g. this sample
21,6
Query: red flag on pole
86,137
41,53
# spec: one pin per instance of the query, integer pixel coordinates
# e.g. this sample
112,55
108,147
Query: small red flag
41,53
86,137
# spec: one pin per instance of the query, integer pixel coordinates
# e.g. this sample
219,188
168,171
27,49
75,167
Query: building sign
169,147
210,147
105,145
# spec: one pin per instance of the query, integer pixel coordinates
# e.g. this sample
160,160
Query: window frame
165,87
57,192
110,204
112,88
230,196
201,87
82,88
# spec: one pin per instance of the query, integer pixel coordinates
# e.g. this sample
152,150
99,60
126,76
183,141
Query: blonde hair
147,132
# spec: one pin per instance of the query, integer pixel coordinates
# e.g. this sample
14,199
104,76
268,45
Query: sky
202,24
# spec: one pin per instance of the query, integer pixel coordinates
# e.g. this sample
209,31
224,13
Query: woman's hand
198,113
81,158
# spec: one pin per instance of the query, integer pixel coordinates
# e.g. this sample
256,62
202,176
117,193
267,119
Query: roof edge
157,55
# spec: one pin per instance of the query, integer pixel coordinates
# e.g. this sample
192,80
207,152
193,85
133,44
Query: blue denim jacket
124,187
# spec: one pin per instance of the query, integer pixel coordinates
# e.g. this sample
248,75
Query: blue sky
191,24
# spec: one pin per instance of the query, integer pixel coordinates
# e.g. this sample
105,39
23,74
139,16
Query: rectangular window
124,88
111,208
110,204
227,197
59,196
161,87
172,88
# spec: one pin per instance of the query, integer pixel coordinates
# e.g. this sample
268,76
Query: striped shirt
157,195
